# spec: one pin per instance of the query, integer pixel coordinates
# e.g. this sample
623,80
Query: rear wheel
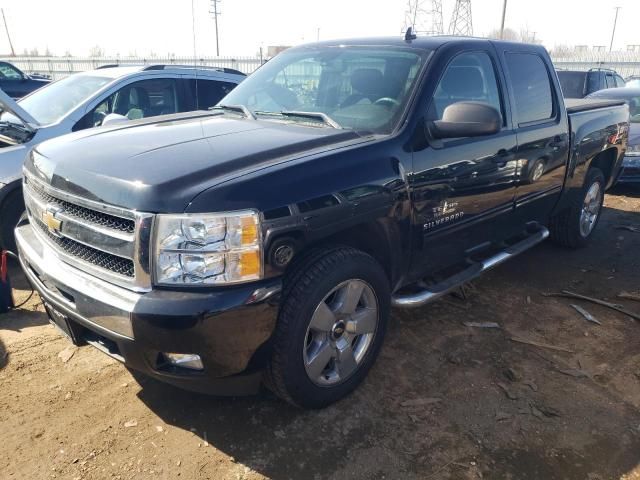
574,226
10,213
331,327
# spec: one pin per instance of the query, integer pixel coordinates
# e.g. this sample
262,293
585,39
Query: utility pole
13,54
613,33
424,16
504,14
215,12
461,20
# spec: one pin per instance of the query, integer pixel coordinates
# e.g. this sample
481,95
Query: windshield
52,102
357,88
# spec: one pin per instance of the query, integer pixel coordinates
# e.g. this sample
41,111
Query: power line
424,16
13,54
215,13
613,32
504,14
461,20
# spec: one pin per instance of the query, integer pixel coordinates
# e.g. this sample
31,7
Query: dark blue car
631,164
16,83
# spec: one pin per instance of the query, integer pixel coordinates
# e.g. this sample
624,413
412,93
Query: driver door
463,188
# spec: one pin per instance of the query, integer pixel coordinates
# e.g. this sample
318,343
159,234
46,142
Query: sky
162,27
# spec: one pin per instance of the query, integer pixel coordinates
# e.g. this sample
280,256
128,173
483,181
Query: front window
357,88
52,102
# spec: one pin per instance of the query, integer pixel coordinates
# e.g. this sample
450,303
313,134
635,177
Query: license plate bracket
61,322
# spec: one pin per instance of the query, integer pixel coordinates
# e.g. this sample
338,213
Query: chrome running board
433,292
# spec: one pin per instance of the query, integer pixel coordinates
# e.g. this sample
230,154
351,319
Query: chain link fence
625,63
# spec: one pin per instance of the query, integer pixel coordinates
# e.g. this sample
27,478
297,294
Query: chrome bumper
98,304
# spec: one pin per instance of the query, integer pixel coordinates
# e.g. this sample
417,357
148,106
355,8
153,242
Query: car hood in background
634,134
161,165
7,104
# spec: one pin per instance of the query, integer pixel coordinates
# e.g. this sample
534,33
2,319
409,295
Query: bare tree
559,51
67,53
47,52
509,34
34,52
96,51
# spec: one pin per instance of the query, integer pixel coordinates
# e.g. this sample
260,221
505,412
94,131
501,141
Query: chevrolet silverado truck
266,241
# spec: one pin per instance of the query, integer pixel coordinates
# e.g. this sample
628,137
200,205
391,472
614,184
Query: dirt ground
444,401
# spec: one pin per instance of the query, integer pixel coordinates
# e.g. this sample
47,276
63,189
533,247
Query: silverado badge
49,218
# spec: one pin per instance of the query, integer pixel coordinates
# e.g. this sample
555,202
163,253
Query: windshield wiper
237,108
318,115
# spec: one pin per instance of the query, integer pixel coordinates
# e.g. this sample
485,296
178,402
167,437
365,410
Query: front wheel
330,329
574,226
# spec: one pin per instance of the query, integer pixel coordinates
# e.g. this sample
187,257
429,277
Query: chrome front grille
109,242
113,263
85,214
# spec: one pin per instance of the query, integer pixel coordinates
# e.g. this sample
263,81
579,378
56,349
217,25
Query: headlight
633,150
210,249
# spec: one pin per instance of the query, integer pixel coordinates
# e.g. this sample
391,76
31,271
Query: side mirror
466,119
114,118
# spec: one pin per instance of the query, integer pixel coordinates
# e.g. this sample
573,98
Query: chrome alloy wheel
340,333
590,209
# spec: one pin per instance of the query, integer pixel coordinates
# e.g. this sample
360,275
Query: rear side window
469,77
572,83
531,87
210,92
610,81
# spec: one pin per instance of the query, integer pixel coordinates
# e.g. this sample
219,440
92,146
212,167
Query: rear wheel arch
605,161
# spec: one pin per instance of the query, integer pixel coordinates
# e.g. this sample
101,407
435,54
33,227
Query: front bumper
630,172
228,327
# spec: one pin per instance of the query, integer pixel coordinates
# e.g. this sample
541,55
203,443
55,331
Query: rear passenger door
205,93
541,128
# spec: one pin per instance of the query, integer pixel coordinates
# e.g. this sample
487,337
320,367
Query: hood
7,104
161,165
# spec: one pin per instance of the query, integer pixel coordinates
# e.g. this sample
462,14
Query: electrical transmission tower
424,16
215,13
461,22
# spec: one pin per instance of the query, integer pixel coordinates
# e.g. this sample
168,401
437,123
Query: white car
89,99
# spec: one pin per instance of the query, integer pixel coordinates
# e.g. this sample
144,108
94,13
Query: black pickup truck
267,240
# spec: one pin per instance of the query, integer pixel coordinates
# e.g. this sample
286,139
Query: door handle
557,142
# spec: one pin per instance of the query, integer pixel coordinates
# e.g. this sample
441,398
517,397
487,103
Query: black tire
305,287
565,226
10,213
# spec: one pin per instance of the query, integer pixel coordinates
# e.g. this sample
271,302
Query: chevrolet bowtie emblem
49,218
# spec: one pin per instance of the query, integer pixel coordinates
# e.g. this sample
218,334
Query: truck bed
575,105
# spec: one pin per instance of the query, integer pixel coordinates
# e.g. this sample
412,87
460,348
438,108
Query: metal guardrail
59,67
625,63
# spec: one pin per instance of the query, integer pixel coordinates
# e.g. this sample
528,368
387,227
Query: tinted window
619,81
210,92
531,87
8,72
572,83
469,77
